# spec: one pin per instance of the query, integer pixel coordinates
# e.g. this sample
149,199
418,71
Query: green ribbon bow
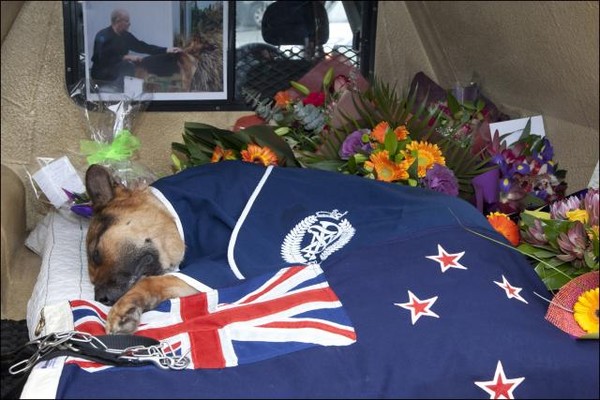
121,148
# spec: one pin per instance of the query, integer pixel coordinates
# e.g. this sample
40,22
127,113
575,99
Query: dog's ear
99,184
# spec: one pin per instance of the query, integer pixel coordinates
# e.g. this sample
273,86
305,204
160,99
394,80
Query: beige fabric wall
533,57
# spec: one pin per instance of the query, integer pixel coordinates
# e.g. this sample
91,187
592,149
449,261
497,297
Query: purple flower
572,244
353,144
85,210
559,209
535,234
546,152
505,185
591,206
441,179
522,168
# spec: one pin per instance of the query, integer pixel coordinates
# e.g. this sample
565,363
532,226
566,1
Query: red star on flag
447,260
500,387
511,291
418,307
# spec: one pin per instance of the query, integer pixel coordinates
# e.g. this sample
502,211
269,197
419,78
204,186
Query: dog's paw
123,319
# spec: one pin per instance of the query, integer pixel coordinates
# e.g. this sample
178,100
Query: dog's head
131,235
197,45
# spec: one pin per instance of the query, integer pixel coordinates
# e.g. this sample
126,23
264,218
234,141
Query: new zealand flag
432,308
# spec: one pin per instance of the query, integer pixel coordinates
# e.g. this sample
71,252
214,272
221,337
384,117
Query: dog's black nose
105,300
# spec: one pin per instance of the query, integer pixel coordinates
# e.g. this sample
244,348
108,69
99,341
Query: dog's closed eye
96,257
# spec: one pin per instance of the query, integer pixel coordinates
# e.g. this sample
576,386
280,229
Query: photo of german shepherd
181,67
131,242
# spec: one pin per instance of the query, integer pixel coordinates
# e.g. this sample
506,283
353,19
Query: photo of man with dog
168,48
111,60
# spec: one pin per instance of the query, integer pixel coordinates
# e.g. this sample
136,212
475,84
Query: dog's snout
105,300
106,296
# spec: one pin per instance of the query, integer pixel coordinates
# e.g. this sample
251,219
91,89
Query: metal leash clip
45,346
157,354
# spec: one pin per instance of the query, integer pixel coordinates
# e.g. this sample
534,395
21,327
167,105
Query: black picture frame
77,60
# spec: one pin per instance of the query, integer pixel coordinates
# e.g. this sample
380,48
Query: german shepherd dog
132,242
183,63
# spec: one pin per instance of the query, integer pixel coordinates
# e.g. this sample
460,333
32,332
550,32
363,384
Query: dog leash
116,350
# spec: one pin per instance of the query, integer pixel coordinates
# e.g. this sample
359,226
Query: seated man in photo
111,60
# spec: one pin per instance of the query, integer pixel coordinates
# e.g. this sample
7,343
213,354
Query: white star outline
414,314
491,386
443,254
512,292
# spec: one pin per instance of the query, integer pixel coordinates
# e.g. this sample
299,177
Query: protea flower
535,234
591,206
573,244
559,209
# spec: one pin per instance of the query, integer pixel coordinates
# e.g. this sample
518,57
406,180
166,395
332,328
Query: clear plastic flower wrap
111,125
110,121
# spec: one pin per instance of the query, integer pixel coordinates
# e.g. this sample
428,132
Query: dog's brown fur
185,63
131,242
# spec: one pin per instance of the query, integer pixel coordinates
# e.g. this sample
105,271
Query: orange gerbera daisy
428,154
282,99
504,225
219,154
378,133
401,132
259,155
385,169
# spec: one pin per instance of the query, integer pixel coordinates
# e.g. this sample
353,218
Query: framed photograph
165,52
207,55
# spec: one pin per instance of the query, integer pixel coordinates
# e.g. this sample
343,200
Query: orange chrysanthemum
259,155
219,154
401,132
428,154
378,133
385,169
505,226
282,99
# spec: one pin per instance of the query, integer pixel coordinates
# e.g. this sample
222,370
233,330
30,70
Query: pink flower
591,206
572,244
341,83
535,234
559,209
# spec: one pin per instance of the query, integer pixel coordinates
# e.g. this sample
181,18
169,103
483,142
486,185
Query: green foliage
200,140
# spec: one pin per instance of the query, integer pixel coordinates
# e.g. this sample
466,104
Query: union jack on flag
263,317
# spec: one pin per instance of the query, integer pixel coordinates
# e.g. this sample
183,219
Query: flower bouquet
528,176
310,110
458,120
203,143
563,246
391,155
564,241
283,130
341,123
395,138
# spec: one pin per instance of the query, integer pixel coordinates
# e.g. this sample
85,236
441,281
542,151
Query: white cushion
63,274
